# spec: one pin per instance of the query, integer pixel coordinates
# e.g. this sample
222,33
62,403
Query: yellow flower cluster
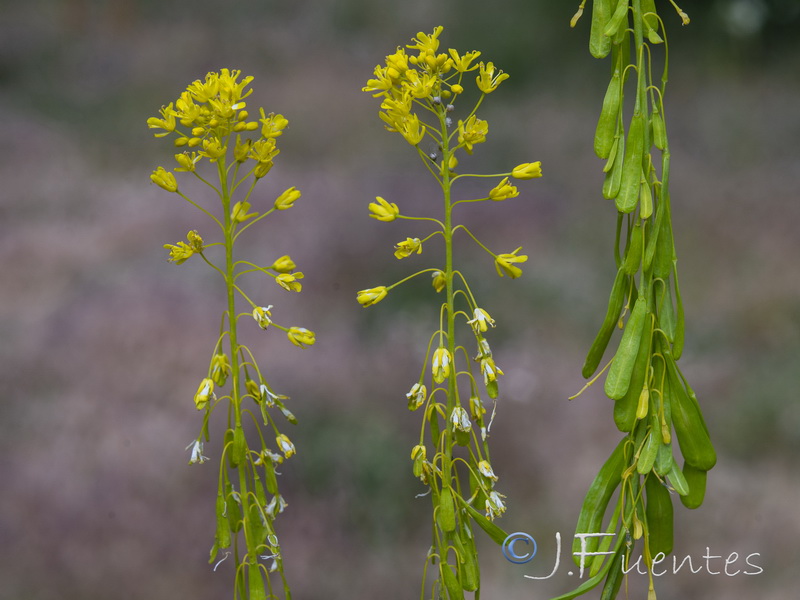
430,79
206,115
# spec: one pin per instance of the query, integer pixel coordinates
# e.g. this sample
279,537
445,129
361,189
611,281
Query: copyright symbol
508,548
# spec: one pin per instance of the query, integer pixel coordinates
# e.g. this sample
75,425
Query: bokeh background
103,341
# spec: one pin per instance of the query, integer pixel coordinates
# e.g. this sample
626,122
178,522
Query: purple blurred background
104,342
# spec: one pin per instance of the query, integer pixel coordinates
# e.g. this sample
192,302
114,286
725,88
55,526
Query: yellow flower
409,126
487,81
472,131
417,396
284,265
441,364
288,281
494,505
285,444
204,393
239,212
372,296
179,253
420,86
263,152
301,337
527,170
383,210
462,63
272,125
489,369
262,316
503,190
287,198
167,122
460,419
426,43
504,263
439,281
408,247
186,162
164,179
485,469
476,407
213,149
480,320
220,369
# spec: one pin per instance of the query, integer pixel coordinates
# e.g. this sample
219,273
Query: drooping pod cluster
654,405
422,97
211,123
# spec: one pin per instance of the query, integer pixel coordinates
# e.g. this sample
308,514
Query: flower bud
287,198
301,337
372,296
527,170
283,265
164,179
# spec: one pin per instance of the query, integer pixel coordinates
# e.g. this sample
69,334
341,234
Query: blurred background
104,342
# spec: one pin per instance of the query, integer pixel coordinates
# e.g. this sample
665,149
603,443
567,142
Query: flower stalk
211,117
420,94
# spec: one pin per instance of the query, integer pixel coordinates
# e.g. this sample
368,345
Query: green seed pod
615,24
232,509
649,452
689,425
433,419
625,409
613,178
615,302
619,374
696,480
223,527
228,445
633,253
497,534
664,251
468,573
609,114
628,196
239,448
599,43
659,129
643,405
646,200
677,479
255,583
597,498
614,578
658,513
451,584
269,477
663,460
446,514
666,313
611,156
650,249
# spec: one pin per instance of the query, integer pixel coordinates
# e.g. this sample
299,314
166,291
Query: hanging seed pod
613,178
628,195
599,42
446,514
609,115
696,480
658,512
619,375
600,343
597,498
